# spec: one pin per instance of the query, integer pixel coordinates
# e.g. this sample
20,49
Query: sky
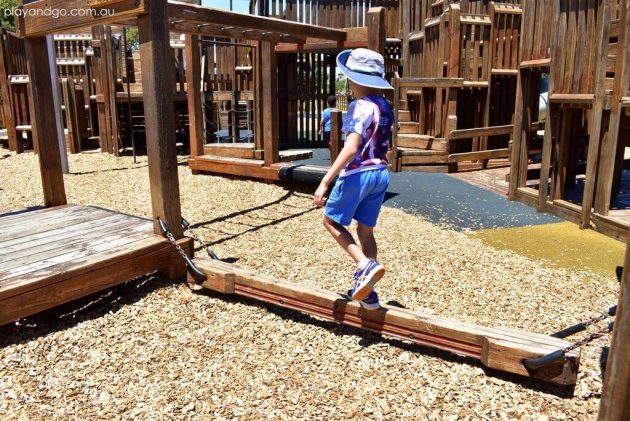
239,5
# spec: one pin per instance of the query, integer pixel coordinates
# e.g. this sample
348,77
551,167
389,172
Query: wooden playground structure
579,169
62,252
456,94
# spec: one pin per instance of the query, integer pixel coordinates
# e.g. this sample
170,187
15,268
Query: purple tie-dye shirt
371,117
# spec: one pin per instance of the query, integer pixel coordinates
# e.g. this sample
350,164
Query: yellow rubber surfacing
564,245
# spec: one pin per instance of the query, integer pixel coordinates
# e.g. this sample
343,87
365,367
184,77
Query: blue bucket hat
363,66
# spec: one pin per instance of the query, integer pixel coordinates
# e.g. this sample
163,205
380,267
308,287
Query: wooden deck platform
498,348
51,256
243,161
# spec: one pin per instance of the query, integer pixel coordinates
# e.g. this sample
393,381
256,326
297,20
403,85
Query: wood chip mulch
152,349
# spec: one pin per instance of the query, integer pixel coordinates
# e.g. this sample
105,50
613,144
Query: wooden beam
596,130
44,122
66,15
481,131
377,35
610,148
405,28
431,82
394,160
269,73
72,115
193,13
7,109
320,47
231,32
258,99
498,348
336,137
157,78
196,125
615,402
479,155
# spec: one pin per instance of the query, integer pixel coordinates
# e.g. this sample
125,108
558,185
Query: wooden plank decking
54,255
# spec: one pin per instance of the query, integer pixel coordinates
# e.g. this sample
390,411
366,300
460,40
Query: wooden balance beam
501,349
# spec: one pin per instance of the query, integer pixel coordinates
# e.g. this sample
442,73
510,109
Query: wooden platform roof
183,17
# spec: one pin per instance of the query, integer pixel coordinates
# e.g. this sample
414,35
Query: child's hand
318,198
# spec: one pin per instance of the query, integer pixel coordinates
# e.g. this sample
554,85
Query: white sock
363,263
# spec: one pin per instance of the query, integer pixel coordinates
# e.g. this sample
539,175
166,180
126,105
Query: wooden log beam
193,13
377,36
41,18
498,348
44,124
196,125
155,51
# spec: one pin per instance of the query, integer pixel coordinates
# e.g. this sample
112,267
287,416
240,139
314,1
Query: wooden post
455,30
258,99
394,153
234,130
405,28
595,121
611,145
7,109
292,103
196,126
376,30
451,124
336,137
72,115
44,125
615,402
521,131
157,82
269,79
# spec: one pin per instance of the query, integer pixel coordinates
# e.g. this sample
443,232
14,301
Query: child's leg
345,240
366,238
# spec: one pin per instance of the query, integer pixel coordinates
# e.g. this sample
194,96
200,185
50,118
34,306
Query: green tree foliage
133,39
7,18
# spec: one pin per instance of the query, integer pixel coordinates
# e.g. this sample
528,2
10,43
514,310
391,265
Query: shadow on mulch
253,228
108,170
368,339
83,309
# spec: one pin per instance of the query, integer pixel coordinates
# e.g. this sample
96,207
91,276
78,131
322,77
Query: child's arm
347,153
321,125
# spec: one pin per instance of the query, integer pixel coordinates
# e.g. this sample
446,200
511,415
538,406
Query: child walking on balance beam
362,169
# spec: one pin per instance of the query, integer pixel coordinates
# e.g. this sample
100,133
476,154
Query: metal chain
193,233
597,319
590,338
181,252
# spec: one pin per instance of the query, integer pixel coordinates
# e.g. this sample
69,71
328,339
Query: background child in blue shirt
362,169
324,124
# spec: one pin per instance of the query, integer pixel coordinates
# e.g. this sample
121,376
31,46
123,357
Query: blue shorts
358,196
